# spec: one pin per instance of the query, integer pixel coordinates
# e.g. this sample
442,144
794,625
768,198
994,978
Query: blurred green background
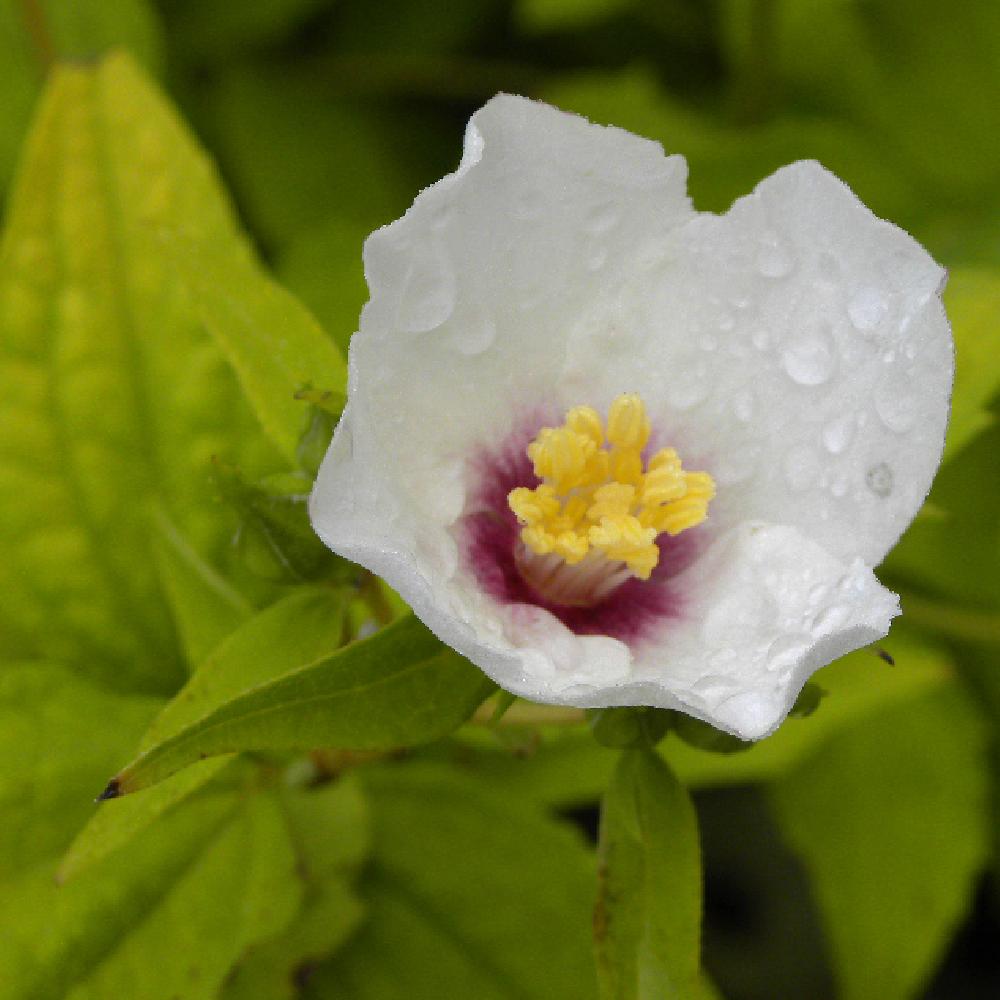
327,116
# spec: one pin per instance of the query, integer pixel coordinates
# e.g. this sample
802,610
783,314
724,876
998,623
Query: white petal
800,352
796,348
473,289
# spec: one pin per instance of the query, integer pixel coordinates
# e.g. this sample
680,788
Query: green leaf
323,265
298,630
647,925
399,688
297,153
276,537
32,34
272,341
567,15
166,918
890,817
111,394
569,769
955,553
205,607
471,894
972,299
205,29
55,742
329,828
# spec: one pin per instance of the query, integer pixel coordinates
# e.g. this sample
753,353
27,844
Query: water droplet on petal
773,258
896,405
802,467
428,293
475,335
879,479
838,433
867,308
811,359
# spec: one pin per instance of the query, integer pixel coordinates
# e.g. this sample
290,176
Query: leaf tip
111,791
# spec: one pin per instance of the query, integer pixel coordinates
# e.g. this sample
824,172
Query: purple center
491,534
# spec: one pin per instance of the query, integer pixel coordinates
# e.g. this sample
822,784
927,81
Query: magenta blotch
489,535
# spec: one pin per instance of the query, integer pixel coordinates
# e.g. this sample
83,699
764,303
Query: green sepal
622,727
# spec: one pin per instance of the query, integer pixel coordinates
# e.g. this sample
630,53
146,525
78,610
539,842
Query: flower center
593,521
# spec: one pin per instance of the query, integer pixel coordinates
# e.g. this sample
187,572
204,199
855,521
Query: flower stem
526,713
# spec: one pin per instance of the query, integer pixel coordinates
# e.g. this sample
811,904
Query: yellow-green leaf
401,687
111,392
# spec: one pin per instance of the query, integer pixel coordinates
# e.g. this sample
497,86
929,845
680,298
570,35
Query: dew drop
896,406
802,467
867,308
475,336
838,433
879,479
811,359
428,295
773,258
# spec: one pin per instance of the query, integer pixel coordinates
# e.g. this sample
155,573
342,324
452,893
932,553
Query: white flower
795,349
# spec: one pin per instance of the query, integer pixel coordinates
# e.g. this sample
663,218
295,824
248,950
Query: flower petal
801,354
795,348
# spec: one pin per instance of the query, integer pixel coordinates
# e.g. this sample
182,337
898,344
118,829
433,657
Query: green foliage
890,819
164,404
204,606
272,342
449,916
33,33
647,924
112,392
399,688
297,631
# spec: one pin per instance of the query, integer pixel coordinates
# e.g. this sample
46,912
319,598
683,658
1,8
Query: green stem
526,713
965,624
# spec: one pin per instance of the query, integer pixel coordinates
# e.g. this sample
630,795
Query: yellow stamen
597,497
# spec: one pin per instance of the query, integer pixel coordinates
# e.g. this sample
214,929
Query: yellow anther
587,421
600,498
627,423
